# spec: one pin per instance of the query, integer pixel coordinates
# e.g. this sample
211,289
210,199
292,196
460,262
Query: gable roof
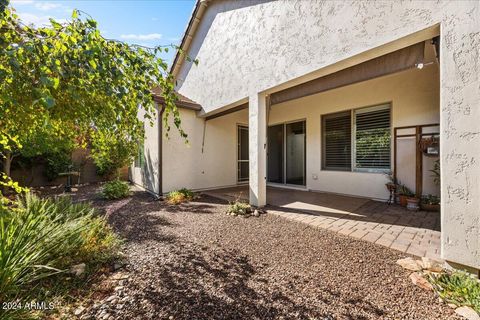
182,102
197,14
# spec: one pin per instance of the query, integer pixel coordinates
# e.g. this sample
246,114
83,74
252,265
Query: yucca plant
43,237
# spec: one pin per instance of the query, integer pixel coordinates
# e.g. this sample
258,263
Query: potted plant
413,203
430,203
403,194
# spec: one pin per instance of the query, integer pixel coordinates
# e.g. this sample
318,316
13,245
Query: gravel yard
192,261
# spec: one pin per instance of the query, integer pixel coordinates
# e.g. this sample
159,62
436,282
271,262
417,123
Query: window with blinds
368,135
372,138
337,142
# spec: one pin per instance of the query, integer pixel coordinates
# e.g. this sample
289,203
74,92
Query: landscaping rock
117,265
256,213
79,311
420,281
78,269
409,264
431,265
120,276
467,313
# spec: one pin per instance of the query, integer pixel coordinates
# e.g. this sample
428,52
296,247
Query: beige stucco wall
148,175
414,97
245,48
184,165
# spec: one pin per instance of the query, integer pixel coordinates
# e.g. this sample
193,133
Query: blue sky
148,22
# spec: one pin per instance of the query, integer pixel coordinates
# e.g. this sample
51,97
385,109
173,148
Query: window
242,154
140,158
337,141
372,138
368,135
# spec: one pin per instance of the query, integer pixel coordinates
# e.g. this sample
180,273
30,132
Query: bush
111,151
115,189
458,287
57,163
179,196
43,237
239,208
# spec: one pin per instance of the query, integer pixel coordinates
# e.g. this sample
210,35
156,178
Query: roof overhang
187,38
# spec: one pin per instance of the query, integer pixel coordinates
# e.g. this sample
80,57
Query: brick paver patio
416,233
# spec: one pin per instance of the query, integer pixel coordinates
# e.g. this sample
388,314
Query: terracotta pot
402,200
430,207
413,203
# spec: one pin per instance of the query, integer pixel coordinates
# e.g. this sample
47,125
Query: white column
257,126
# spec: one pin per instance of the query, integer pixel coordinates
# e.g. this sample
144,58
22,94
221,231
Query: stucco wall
414,97
245,48
184,165
147,176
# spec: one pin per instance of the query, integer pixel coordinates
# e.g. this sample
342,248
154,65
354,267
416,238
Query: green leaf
93,64
75,14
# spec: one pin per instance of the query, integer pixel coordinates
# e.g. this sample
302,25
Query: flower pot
413,204
430,207
402,200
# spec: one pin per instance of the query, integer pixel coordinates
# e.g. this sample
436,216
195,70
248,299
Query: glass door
275,154
242,154
287,153
295,153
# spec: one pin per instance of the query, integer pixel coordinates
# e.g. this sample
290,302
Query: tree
65,76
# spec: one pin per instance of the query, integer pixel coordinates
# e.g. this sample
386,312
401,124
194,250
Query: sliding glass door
242,154
287,153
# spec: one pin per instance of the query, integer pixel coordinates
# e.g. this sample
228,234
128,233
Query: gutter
192,26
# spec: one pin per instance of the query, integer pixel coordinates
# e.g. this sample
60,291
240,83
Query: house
329,96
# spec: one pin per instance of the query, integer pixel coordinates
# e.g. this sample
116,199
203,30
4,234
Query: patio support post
257,126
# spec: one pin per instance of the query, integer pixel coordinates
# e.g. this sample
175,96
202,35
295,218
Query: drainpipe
160,146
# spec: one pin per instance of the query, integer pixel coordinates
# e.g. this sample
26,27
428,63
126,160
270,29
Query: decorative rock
78,269
79,311
467,313
111,298
431,265
119,288
409,264
420,281
120,276
74,189
255,213
117,265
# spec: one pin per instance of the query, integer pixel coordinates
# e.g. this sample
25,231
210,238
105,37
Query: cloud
37,20
21,2
142,37
45,6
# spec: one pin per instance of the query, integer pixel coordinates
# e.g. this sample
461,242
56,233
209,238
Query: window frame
353,142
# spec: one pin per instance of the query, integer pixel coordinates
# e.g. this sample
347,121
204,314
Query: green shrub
458,288
111,151
179,196
115,189
239,208
43,237
57,163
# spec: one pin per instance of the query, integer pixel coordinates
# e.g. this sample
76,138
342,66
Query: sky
146,22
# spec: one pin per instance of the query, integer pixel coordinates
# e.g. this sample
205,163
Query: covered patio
416,233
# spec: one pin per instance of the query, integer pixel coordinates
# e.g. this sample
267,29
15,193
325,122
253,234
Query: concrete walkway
416,233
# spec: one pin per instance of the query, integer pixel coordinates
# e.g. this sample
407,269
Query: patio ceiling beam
223,113
396,61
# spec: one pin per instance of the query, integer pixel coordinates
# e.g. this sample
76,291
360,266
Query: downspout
160,147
